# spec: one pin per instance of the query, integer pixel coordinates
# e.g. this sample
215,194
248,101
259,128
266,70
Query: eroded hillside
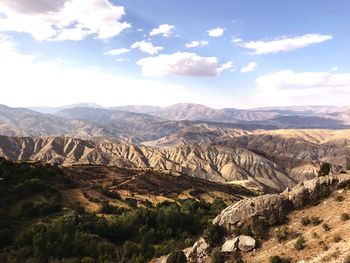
215,163
266,160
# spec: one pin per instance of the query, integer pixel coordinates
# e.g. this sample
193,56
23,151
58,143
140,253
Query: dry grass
73,197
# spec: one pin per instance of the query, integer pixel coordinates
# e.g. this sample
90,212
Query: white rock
230,245
246,243
199,251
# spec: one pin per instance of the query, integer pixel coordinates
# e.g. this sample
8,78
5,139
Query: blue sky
241,54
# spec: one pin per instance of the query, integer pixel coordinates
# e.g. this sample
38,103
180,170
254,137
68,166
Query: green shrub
130,202
326,227
217,256
106,208
316,220
337,238
345,216
315,235
110,194
278,259
213,234
300,243
305,221
177,256
324,169
339,198
282,234
323,244
259,228
313,220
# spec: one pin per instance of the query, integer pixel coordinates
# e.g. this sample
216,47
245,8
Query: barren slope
216,163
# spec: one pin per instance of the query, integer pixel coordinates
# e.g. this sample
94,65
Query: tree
213,234
177,256
324,169
217,256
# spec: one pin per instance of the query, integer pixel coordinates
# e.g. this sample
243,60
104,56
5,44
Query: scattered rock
199,251
246,243
243,243
230,245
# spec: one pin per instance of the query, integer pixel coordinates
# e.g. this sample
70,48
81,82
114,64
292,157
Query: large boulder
244,210
246,243
230,245
242,243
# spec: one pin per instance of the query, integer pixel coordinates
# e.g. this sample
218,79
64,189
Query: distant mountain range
139,124
279,117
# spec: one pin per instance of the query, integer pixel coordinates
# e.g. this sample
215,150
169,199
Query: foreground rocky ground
308,223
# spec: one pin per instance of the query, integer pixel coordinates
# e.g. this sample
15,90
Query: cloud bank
165,30
63,20
303,88
27,80
284,44
183,64
146,47
195,43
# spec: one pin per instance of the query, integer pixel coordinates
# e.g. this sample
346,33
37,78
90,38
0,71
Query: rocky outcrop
267,207
244,210
263,207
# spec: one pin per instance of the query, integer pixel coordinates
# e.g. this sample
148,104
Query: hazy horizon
92,104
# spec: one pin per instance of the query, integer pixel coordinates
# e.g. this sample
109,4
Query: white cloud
285,44
193,44
147,47
236,40
250,67
306,88
182,63
27,80
226,66
117,52
336,68
165,30
63,20
216,32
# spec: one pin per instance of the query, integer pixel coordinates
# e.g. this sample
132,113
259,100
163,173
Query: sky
227,53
